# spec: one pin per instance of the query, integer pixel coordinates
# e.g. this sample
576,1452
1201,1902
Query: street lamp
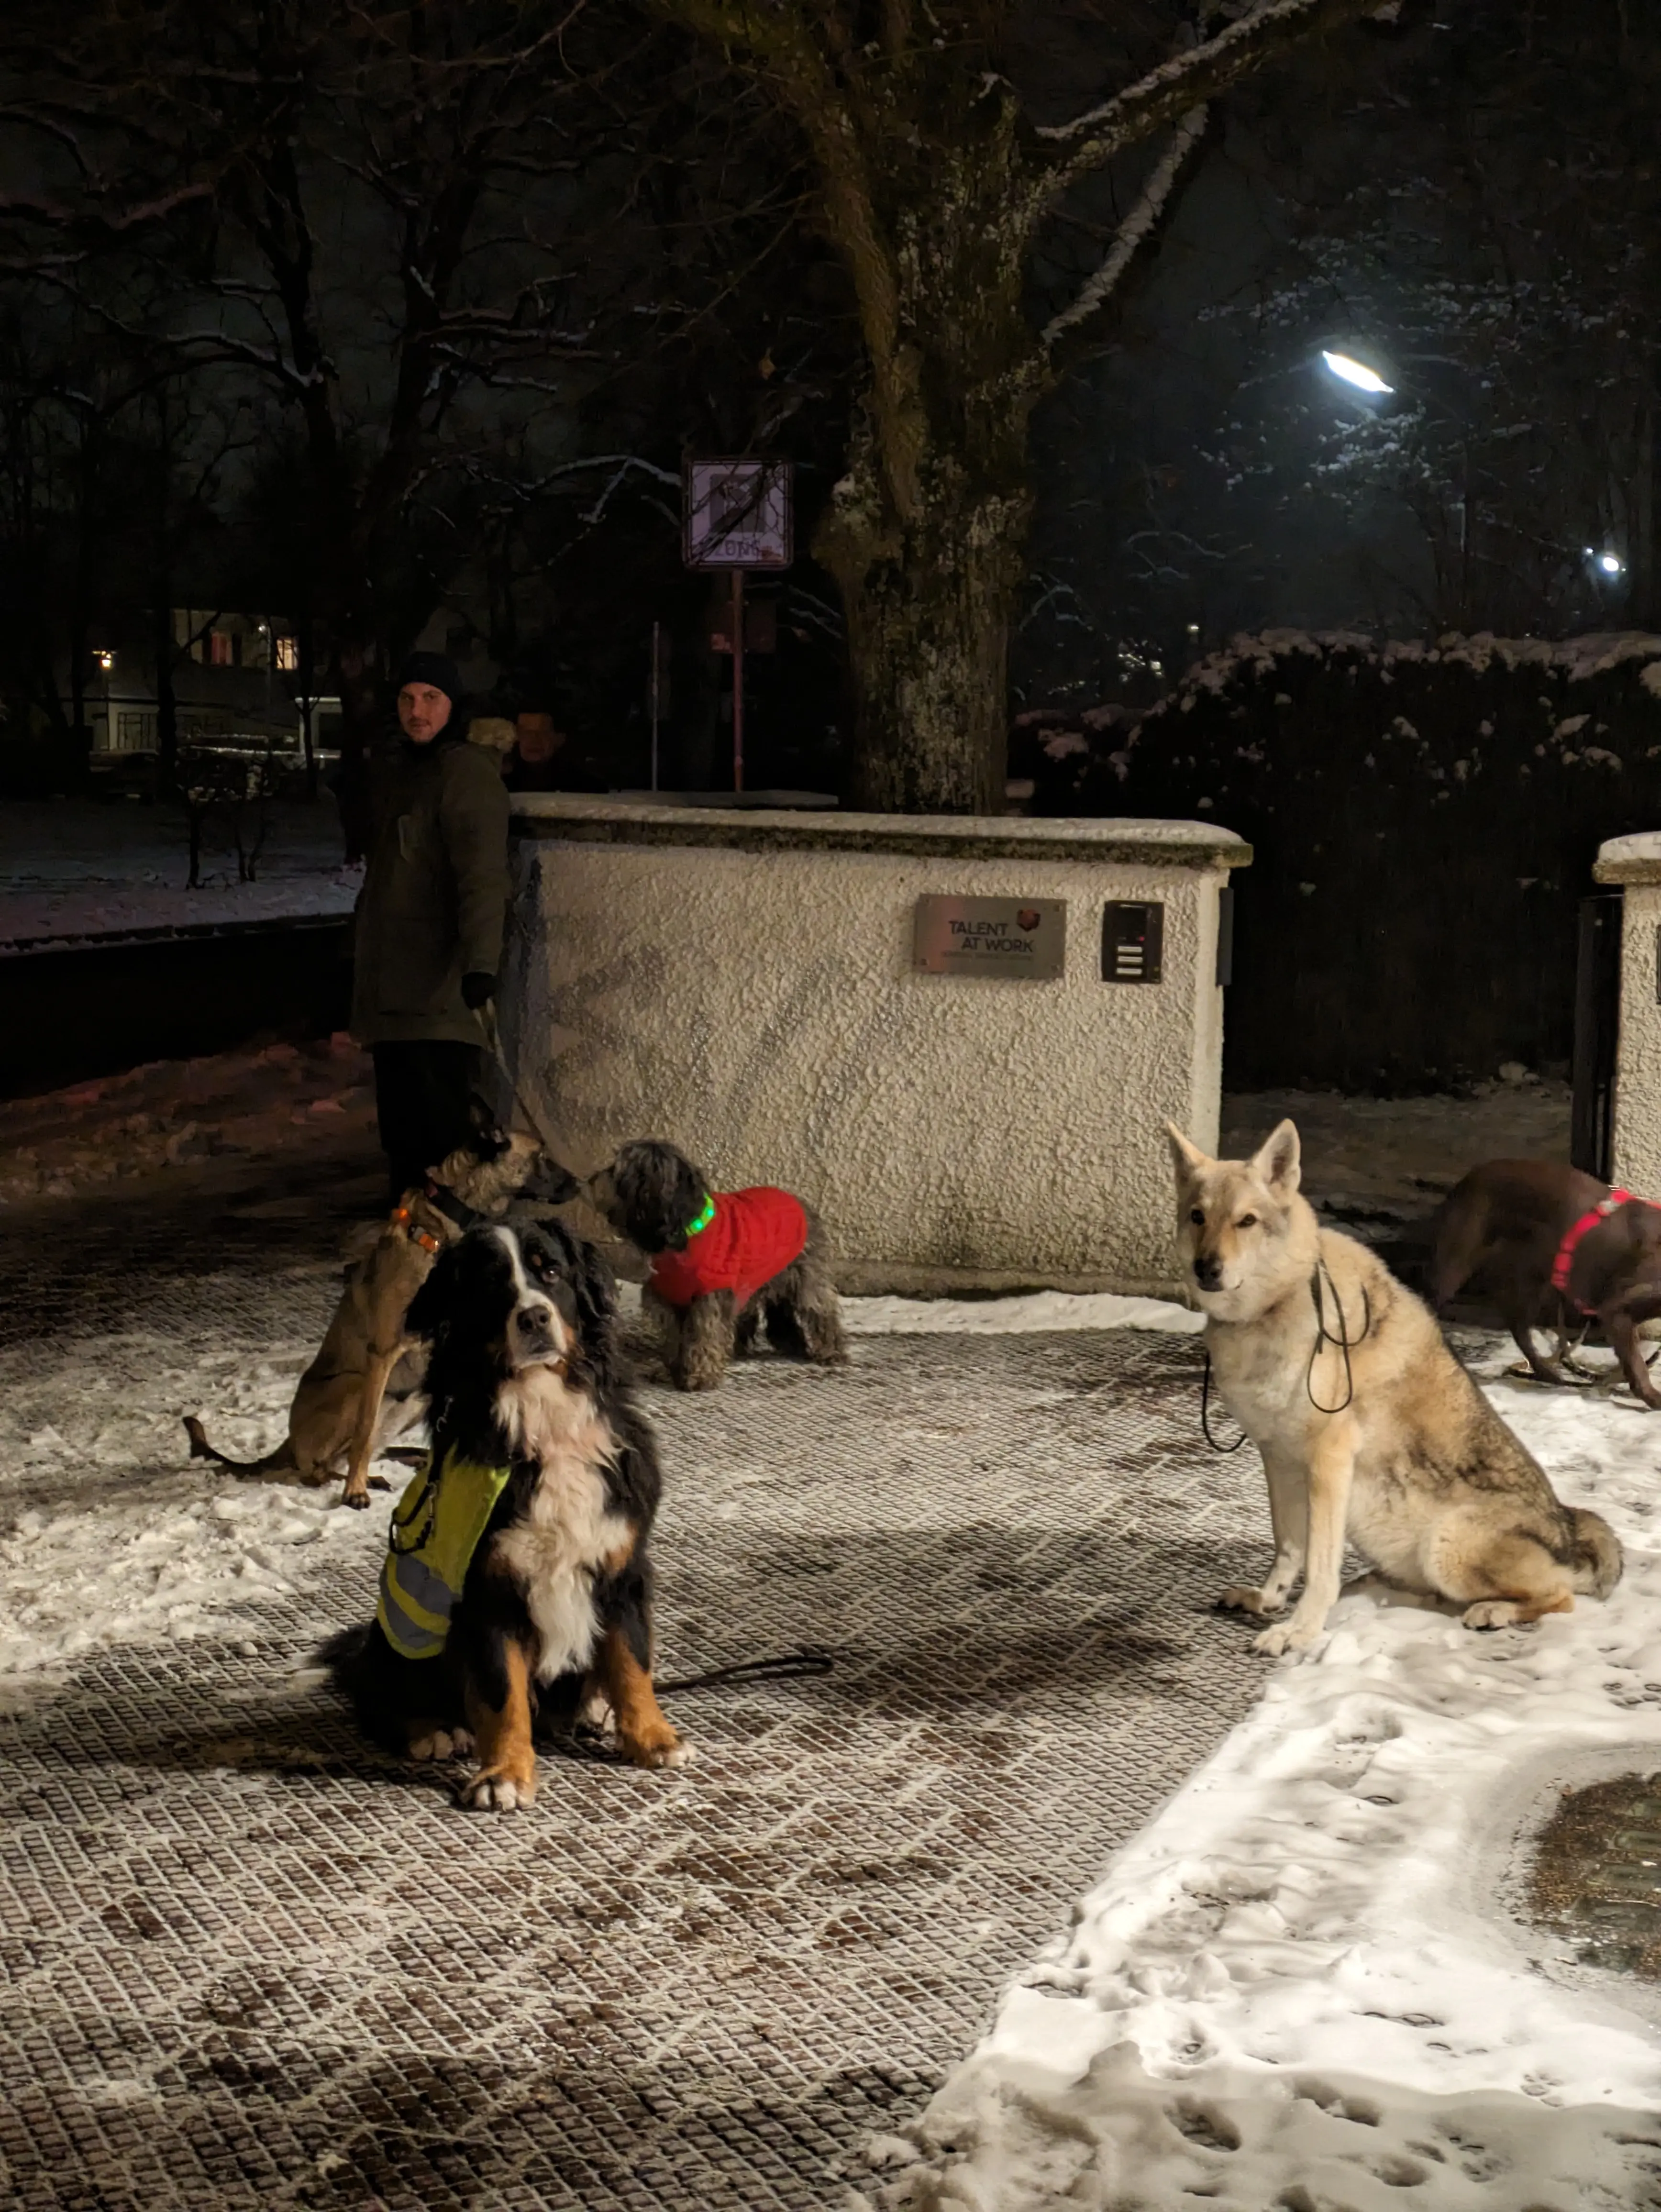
1606,564
1350,371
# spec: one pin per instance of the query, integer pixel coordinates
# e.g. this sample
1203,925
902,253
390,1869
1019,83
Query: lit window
219,648
288,653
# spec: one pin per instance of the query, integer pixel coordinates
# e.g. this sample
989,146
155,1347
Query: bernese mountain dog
723,1263
516,1590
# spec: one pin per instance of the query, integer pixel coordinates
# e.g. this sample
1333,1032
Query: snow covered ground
260,1102
1299,1990
108,1534
71,868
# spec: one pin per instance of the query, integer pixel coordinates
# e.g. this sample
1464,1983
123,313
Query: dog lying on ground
363,1390
723,1264
517,1582
1554,1249
1368,1426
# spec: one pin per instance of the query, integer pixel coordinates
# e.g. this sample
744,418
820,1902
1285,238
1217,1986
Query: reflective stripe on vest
435,1531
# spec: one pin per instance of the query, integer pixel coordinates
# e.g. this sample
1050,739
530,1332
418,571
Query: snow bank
168,1113
1293,1989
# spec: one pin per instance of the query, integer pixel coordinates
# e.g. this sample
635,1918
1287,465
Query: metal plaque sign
1023,938
738,514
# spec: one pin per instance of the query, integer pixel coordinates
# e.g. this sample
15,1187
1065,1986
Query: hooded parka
435,899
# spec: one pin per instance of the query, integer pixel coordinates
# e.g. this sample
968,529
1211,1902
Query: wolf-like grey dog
1368,1426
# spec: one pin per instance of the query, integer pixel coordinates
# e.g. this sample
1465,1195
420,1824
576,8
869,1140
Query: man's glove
477,987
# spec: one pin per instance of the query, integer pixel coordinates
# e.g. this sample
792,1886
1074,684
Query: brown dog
1506,1223
342,1409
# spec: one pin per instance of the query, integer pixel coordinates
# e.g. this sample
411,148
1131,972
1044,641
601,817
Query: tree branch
1183,82
1133,233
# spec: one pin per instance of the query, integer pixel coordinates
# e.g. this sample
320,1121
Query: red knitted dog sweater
754,1235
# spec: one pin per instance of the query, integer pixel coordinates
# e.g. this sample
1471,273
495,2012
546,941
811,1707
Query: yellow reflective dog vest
435,1531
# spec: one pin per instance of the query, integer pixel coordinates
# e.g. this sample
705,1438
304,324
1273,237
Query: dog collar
424,1238
1565,1258
705,1217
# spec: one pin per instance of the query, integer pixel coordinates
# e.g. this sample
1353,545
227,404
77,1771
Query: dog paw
357,1499
1290,1636
673,1752
497,1793
1491,1612
441,1743
1241,1597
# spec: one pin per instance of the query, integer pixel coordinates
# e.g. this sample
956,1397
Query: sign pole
738,679
657,663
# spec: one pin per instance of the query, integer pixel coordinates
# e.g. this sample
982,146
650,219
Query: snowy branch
1134,231
1187,80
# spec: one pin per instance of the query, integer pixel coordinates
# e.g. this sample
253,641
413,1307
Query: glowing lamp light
106,660
1609,564
1358,373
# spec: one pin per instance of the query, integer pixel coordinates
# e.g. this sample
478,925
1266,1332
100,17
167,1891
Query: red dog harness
1565,1259
751,1236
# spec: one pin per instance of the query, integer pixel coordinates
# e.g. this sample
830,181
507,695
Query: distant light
106,660
1611,564
1357,372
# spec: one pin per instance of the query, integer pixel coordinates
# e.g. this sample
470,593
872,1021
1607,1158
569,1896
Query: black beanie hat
435,668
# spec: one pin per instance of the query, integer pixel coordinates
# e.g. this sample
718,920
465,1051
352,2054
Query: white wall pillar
743,984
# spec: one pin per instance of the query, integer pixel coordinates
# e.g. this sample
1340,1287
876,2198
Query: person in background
429,920
537,761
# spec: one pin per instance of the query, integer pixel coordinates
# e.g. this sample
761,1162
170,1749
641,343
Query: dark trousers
421,1096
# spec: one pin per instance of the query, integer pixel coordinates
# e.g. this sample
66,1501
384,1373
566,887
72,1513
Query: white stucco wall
759,1008
1634,863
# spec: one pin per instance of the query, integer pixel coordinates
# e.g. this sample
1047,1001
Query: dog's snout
1207,1270
535,1318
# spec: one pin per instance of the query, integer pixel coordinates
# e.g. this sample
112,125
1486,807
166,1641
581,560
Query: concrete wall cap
1634,860
970,836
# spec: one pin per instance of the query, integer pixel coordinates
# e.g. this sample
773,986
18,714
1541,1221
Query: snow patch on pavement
1294,1990
109,1534
1031,1311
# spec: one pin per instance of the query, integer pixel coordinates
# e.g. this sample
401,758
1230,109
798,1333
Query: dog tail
1598,1555
276,1462
343,1655
1458,1230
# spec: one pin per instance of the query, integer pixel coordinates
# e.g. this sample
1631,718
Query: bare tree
935,184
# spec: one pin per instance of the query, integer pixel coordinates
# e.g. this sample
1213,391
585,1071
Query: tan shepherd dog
1369,1427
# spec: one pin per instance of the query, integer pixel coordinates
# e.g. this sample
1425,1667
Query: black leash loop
1205,1415
1344,1341
589,1743
784,1666
427,1496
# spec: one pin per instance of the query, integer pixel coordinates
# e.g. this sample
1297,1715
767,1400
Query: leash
487,1022
1344,1342
1205,1415
807,1659
589,1743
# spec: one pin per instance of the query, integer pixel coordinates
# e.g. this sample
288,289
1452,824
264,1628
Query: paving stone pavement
245,1961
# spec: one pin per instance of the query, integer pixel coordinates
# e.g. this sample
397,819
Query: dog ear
489,1139
685,1199
1187,1158
550,1184
1279,1161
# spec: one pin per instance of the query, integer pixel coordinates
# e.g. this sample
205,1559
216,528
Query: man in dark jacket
428,942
